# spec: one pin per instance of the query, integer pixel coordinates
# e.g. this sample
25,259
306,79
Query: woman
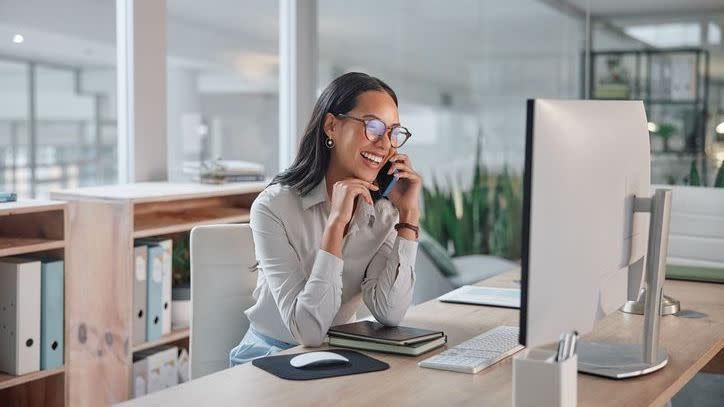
323,245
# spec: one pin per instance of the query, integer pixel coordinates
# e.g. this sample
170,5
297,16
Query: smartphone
385,182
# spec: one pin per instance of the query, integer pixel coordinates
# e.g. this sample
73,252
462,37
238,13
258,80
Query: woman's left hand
405,195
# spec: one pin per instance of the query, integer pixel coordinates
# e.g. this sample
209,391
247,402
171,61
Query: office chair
696,233
223,278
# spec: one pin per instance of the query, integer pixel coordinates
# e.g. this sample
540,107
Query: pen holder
538,380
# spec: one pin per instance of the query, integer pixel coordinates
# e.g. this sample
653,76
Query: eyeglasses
376,129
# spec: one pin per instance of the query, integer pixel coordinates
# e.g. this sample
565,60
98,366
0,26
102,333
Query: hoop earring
329,142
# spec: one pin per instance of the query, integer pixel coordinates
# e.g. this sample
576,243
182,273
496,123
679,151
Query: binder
167,268
140,376
140,254
51,314
159,366
154,283
19,316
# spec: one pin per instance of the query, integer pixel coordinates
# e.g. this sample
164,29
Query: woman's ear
329,124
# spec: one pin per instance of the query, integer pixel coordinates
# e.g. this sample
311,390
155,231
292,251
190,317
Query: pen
574,341
566,346
559,354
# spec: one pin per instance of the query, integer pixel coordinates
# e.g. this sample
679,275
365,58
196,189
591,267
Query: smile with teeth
371,157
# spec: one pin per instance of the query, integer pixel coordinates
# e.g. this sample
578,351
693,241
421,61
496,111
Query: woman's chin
366,174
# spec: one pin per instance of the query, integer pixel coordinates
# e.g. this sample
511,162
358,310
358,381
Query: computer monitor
583,242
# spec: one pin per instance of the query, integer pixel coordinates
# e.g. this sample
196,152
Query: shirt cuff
406,251
327,264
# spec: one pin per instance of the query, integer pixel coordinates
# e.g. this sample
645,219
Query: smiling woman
323,244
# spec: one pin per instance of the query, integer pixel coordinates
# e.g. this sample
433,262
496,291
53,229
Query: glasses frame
388,130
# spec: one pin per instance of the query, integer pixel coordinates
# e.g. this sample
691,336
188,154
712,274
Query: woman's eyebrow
376,117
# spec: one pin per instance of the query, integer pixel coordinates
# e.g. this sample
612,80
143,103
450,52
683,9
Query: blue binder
154,297
51,314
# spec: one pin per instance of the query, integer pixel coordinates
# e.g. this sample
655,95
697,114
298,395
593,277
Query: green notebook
410,350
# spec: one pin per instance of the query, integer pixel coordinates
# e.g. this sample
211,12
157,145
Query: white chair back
223,278
696,234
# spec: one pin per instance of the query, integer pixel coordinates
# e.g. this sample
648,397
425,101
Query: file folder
140,254
154,287
51,314
19,316
159,366
167,268
140,376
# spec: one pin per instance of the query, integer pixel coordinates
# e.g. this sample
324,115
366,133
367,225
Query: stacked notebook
369,335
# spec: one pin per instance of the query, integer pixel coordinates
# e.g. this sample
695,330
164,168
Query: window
58,87
222,82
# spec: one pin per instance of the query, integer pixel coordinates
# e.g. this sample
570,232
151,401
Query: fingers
352,187
401,167
413,177
358,181
403,158
364,192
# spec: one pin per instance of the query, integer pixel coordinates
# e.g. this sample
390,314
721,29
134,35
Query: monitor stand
669,305
619,361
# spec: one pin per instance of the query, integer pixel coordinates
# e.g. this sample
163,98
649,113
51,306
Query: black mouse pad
358,363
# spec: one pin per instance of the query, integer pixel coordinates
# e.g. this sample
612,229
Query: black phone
384,181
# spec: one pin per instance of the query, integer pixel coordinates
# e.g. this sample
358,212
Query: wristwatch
414,228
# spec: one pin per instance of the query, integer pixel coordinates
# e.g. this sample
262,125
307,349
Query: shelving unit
105,221
674,85
174,336
29,228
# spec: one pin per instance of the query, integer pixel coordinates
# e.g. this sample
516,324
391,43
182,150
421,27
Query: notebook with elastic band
375,332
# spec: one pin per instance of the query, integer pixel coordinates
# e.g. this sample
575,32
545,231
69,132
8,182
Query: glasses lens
398,136
375,129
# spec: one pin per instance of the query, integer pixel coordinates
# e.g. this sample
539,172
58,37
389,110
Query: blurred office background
463,70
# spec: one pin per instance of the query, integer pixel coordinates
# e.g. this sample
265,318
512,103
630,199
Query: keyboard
477,353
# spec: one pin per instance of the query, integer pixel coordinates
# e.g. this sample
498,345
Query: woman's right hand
344,194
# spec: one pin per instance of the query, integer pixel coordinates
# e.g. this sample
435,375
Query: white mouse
318,359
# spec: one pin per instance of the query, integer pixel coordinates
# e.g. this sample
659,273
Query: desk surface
691,344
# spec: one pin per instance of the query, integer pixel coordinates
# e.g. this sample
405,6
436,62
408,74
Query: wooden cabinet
104,221
31,228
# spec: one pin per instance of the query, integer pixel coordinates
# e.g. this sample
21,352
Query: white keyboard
477,353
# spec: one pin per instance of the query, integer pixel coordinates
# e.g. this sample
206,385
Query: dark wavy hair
313,157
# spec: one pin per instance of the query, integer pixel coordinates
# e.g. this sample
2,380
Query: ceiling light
18,38
653,128
720,128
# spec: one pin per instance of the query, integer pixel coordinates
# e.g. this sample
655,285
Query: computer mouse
318,359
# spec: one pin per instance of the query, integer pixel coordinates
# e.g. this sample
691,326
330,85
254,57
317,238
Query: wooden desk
691,344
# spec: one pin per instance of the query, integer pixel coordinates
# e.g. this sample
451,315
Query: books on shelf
19,316
371,335
51,314
154,370
140,256
223,171
154,256
31,314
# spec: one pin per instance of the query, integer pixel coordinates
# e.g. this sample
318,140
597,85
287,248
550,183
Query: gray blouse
302,290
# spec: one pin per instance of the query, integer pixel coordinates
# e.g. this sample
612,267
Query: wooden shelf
14,246
29,206
7,380
106,220
162,223
172,337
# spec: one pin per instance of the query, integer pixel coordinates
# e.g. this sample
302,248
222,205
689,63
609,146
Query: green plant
694,179
665,131
181,268
488,219
719,180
